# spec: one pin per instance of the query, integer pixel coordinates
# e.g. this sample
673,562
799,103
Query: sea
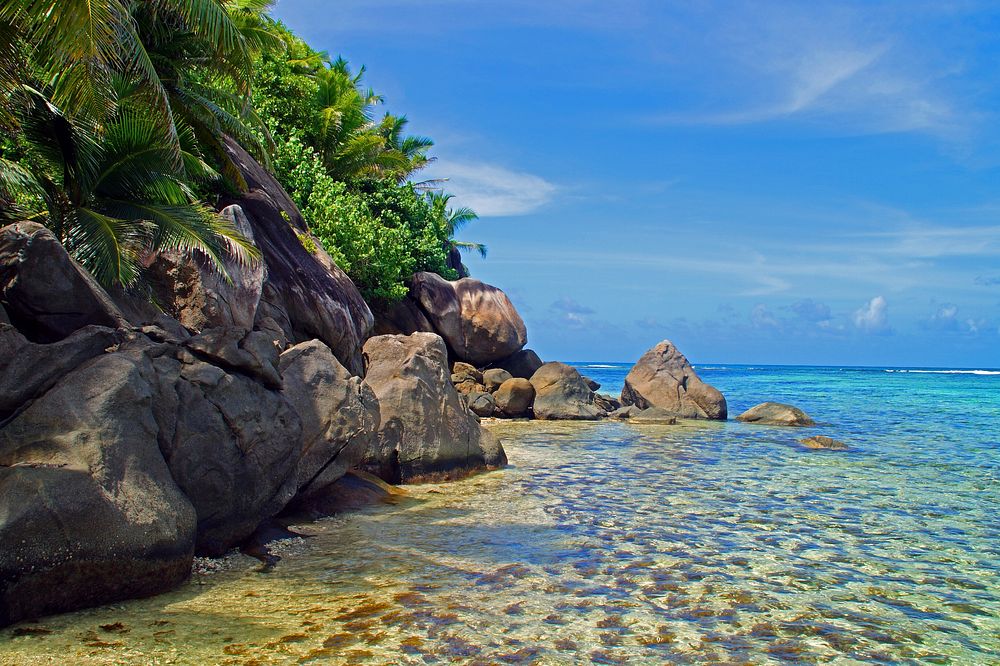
612,543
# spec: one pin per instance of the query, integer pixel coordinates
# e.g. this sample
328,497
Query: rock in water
191,290
304,291
46,294
562,394
476,320
664,378
426,430
823,442
494,378
514,397
339,414
653,416
521,364
89,513
776,413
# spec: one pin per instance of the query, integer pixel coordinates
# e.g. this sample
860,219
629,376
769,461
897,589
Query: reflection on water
606,543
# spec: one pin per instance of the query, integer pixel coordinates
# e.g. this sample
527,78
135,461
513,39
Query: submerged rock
823,442
339,414
561,394
514,397
664,378
89,513
426,431
776,413
46,294
476,320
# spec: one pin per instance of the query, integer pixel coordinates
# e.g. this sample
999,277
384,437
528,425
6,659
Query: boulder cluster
134,437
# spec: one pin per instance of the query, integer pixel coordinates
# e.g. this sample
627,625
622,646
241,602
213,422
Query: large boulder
426,430
231,444
562,394
339,414
776,413
476,320
46,294
494,378
521,364
304,291
31,369
89,513
252,353
481,404
664,378
402,318
514,397
189,287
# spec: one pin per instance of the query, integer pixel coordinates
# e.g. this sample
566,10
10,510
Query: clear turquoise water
612,543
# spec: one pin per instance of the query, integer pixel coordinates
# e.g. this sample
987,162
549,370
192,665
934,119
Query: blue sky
759,182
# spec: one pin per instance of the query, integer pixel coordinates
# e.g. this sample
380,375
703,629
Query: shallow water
610,543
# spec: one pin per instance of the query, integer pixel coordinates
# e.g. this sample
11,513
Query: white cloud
490,190
761,317
873,317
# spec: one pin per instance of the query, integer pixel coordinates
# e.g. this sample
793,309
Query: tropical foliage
116,112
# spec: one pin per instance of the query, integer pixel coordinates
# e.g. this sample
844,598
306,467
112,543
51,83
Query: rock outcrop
426,430
46,294
664,378
339,414
776,413
194,292
304,292
89,513
477,321
562,394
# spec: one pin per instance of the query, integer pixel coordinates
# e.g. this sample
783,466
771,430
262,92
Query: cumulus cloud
873,317
811,311
491,190
762,317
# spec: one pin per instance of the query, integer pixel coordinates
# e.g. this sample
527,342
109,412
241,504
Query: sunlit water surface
609,543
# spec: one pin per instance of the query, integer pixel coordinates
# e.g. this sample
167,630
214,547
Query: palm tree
454,219
404,154
115,197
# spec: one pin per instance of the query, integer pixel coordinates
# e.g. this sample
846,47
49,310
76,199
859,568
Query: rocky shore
135,437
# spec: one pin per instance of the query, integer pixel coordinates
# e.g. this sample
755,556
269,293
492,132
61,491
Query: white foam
949,372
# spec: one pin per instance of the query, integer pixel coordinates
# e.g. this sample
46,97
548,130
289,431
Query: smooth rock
776,413
304,291
353,491
46,294
514,397
594,386
494,378
476,320
823,442
654,416
521,364
339,415
561,393
664,378
481,404
404,317
426,431
189,287
89,513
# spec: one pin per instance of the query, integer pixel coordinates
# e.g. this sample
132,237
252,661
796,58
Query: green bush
378,231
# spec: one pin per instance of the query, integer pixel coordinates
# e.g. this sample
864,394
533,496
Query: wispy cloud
491,190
